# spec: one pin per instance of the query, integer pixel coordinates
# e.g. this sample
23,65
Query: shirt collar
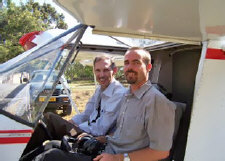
141,91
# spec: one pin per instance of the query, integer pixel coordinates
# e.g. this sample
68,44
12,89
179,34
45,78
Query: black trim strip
16,118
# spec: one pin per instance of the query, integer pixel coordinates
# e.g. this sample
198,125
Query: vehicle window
38,78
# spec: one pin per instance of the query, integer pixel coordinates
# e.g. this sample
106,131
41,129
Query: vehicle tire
67,110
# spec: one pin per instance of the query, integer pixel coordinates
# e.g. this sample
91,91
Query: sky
71,22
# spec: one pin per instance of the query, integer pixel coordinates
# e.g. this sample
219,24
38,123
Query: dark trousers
57,127
59,155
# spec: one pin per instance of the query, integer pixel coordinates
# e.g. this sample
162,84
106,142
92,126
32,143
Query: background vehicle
59,99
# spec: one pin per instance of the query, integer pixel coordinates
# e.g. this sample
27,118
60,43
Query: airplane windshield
24,77
19,90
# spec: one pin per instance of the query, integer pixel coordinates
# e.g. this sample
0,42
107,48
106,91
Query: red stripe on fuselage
215,54
11,138
16,131
15,140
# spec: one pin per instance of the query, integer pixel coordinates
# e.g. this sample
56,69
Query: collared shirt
110,104
146,119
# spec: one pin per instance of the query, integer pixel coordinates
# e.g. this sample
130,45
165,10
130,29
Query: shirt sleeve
84,116
108,116
161,124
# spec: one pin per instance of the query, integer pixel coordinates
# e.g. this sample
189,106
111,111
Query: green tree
78,71
15,21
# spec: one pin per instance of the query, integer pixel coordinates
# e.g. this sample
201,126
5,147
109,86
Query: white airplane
188,67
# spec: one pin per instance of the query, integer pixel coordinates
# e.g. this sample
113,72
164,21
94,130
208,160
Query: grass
81,91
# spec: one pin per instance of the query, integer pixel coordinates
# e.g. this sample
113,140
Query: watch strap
126,157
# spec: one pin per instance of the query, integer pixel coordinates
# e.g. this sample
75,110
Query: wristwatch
126,157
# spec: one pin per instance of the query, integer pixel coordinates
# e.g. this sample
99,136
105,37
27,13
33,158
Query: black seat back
180,109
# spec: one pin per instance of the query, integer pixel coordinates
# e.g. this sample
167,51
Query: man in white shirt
104,102
100,113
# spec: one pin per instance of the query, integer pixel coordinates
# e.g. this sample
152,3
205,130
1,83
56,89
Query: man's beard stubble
131,81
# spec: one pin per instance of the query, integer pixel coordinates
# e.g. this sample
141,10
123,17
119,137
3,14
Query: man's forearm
148,154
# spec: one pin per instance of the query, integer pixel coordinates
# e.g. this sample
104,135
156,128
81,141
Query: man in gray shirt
146,122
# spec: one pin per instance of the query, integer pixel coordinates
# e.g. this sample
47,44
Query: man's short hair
104,57
145,54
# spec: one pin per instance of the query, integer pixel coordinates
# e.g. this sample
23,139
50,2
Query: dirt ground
81,92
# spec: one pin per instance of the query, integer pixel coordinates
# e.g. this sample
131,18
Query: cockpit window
22,81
